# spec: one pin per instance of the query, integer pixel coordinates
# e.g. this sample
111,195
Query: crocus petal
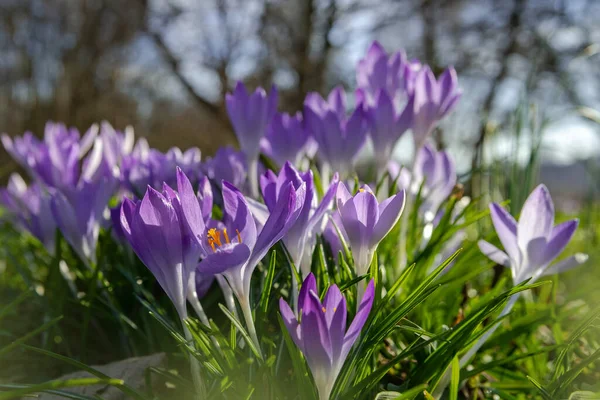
390,211
335,316
326,202
190,207
309,285
506,228
359,319
237,214
268,187
560,236
227,257
205,195
315,335
291,322
342,195
286,211
493,253
259,211
537,217
568,263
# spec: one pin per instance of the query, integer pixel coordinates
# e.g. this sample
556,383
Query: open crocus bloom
366,222
534,242
234,247
320,329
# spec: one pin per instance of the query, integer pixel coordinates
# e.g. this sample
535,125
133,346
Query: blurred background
529,70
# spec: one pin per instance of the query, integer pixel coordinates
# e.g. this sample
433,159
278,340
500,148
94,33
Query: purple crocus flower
31,208
235,247
286,139
319,330
432,100
387,124
250,115
79,213
161,229
366,222
145,166
340,138
331,236
228,165
300,239
380,71
534,242
54,161
434,174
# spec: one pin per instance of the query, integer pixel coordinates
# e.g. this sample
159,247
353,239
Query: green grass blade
51,385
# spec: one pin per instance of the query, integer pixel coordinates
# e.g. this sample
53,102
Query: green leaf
51,385
268,285
238,325
28,336
455,381
544,392
10,306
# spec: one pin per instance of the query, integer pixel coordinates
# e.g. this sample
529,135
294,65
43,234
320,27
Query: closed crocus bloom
79,213
339,138
228,165
366,221
250,115
319,330
531,244
300,239
433,100
387,124
30,206
162,229
286,139
380,71
435,172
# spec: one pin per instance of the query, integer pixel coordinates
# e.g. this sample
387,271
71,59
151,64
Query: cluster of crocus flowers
319,330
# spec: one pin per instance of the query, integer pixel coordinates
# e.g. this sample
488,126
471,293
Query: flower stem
464,360
295,294
194,366
253,178
408,209
247,311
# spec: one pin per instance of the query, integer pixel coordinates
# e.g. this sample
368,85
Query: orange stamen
226,236
324,310
215,235
361,190
212,244
239,236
